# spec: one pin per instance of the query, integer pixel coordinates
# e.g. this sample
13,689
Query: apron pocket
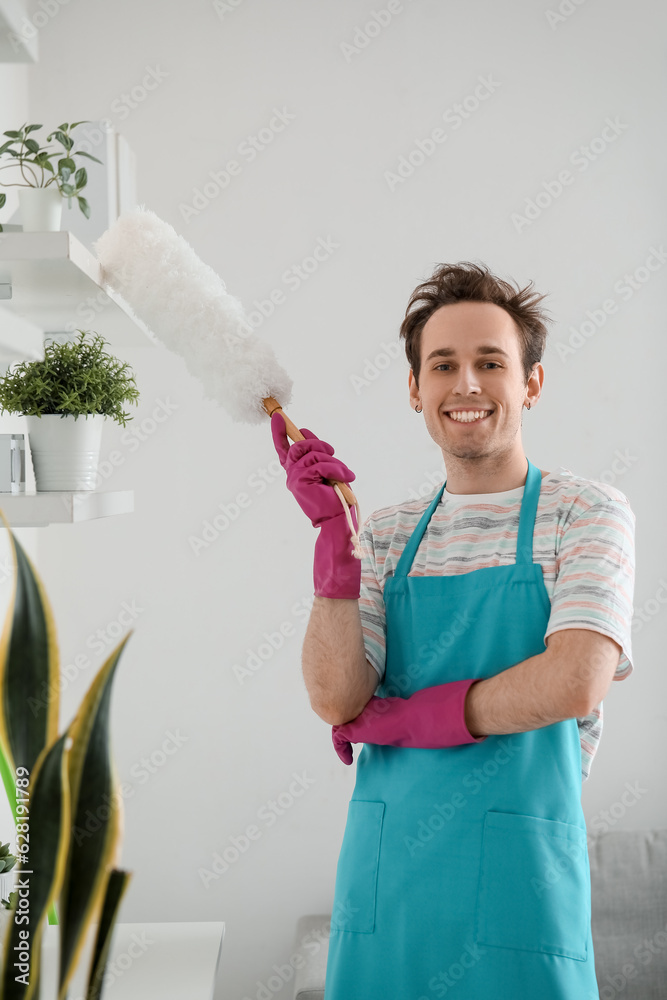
534,886
357,870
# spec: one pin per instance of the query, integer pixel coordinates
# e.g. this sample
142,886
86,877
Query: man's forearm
527,696
333,656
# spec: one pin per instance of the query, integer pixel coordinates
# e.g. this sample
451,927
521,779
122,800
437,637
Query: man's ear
413,389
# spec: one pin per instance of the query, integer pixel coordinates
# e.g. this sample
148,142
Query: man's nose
466,381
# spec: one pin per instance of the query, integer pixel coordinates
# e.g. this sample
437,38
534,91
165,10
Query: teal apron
463,871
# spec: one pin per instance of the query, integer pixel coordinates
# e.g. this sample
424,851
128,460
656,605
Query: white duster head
188,308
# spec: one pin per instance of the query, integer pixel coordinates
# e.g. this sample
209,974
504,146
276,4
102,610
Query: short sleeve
371,603
595,576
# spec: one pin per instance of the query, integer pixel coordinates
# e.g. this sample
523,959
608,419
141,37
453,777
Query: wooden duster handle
271,405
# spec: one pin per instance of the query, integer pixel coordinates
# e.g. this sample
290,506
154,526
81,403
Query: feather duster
189,310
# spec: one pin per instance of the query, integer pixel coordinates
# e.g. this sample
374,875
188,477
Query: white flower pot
41,209
65,450
6,917
7,883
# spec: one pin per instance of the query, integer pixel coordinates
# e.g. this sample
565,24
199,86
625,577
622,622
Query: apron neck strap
524,546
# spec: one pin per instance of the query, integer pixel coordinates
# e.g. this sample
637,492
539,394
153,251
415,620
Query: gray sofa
628,921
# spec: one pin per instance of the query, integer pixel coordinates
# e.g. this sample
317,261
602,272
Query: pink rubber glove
336,572
431,718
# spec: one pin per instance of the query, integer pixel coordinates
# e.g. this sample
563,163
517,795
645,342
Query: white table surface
156,961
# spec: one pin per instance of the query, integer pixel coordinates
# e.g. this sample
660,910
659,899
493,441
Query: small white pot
6,917
41,209
65,450
7,883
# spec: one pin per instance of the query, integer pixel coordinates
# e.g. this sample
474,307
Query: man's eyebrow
447,352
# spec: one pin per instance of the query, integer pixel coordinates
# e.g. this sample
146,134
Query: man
495,614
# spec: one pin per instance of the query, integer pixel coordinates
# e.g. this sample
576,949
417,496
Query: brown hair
466,281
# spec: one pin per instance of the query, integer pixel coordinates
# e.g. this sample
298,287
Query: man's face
462,377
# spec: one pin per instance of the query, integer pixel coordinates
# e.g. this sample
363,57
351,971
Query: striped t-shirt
583,540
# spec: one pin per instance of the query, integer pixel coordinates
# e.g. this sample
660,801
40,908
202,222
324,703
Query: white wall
13,112
223,74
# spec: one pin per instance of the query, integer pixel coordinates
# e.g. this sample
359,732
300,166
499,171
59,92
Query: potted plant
67,868
66,399
7,862
40,197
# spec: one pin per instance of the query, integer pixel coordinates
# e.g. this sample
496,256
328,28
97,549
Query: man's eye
445,365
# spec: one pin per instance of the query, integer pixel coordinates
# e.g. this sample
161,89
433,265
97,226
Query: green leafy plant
7,862
7,859
32,157
75,377
11,901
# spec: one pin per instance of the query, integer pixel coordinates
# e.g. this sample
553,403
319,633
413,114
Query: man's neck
488,475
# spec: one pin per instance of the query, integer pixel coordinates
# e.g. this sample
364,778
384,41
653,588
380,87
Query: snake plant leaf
116,886
29,672
96,818
42,870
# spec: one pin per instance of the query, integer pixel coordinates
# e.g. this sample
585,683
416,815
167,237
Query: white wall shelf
56,285
36,510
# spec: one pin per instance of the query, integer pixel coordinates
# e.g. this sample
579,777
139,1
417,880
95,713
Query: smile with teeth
469,416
